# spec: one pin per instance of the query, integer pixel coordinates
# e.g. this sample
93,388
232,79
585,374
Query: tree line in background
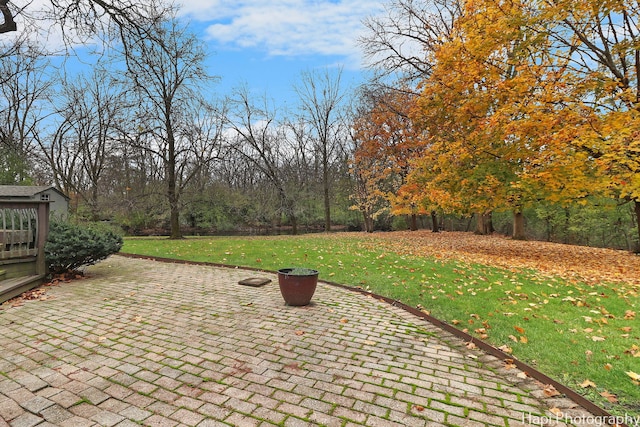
483,115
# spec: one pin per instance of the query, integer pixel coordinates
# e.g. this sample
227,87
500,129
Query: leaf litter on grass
579,263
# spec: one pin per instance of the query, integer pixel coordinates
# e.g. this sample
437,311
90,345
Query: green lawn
571,331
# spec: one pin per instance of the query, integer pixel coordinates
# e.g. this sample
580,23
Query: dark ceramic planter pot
297,289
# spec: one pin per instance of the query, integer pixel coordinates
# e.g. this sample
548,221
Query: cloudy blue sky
266,44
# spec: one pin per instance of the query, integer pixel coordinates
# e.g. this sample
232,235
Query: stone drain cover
256,282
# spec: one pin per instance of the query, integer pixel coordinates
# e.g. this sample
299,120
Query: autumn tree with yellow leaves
528,101
599,44
485,111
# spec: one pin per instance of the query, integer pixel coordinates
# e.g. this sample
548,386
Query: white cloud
285,27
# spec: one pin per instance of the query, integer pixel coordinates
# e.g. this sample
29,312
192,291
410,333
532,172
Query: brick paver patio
141,342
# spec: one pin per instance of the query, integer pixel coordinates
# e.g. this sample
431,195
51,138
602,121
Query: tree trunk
368,222
93,204
484,224
176,233
637,209
434,222
172,191
518,226
294,223
413,222
480,225
327,199
567,224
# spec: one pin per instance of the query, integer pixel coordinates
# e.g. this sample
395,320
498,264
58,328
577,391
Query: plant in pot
297,285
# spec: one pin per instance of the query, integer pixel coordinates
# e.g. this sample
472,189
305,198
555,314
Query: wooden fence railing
23,233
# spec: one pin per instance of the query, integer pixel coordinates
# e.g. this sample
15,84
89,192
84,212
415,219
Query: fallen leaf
505,348
299,332
587,384
635,377
629,315
471,345
595,338
550,391
512,338
633,351
555,411
608,366
524,339
344,320
609,396
509,364
522,375
418,408
519,329
137,319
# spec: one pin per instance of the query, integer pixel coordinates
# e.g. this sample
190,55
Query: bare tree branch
8,24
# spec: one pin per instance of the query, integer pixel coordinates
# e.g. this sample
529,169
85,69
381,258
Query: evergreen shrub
71,246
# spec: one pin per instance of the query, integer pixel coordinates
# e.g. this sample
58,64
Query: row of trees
478,108
140,133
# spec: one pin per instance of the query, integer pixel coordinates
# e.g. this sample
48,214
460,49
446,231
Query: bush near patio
70,246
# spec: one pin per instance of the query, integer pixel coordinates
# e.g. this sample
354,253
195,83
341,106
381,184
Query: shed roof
7,191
